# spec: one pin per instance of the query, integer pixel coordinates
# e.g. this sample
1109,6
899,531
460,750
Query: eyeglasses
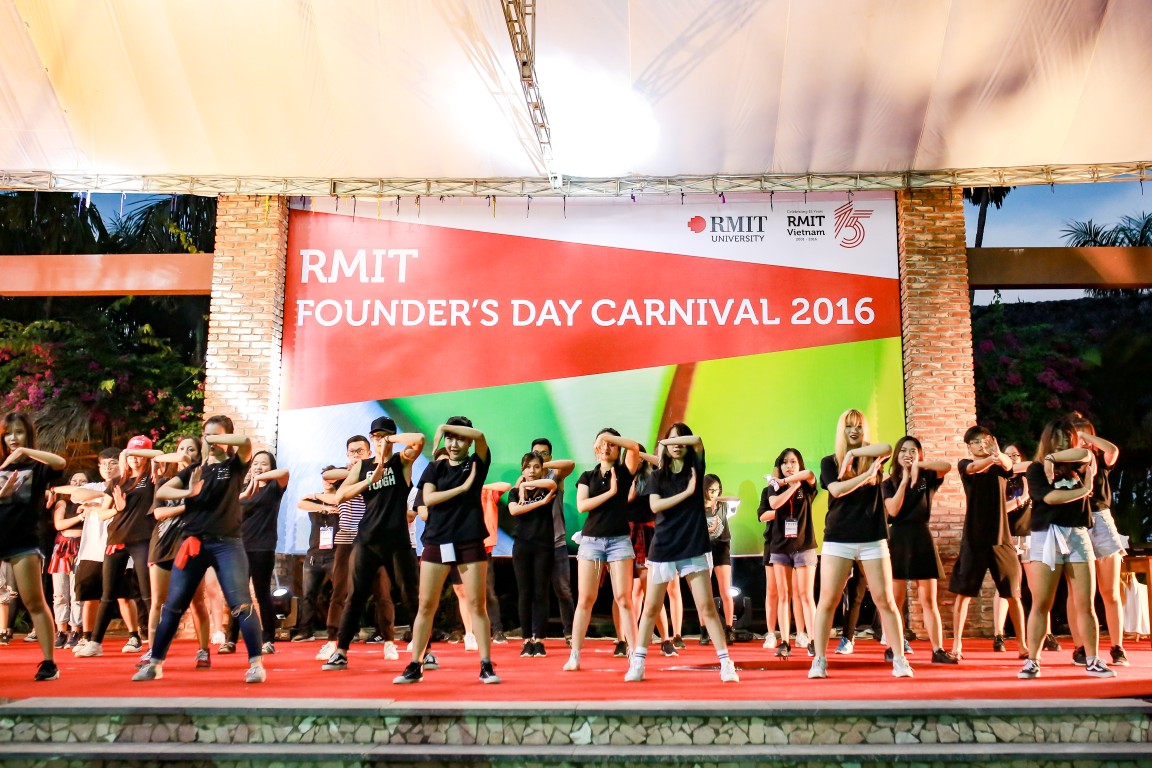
110,463
357,451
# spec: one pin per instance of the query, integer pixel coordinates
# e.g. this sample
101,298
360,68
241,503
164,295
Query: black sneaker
888,655
487,674
811,648
528,650
1080,657
61,640
47,671
5,636
668,648
413,673
729,635
430,662
678,643
540,650
783,650
620,650
704,639
73,640
567,640
941,656
499,638
998,644
338,662
1051,644
376,639
1119,658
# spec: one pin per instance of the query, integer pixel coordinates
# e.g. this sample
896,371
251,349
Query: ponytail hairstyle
851,417
897,467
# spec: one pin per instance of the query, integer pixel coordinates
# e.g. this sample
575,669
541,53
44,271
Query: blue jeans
231,563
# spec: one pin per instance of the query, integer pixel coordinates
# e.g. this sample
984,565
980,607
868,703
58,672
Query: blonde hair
851,416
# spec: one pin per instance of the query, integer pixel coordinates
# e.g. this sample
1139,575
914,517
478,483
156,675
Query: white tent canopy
108,92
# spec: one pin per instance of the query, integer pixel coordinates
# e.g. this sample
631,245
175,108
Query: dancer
855,530
985,544
1019,506
790,545
68,521
323,519
716,519
680,546
908,494
454,534
212,520
25,476
530,502
1060,482
602,495
642,525
557,470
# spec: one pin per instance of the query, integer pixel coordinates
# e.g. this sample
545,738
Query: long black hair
682,430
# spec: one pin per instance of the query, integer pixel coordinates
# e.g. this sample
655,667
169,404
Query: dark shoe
620,650
998,644
1051,644
226,648
567,641
499,638
528,650
704,639
1119,658
729,635
888,655
73,640
941,656
430,662
61,640
811,648
1079,657
413,673
376,639
47,671
487,673
5,636
678,643
30,637
784,650
407,636
338,663
302,637
668,649
540,650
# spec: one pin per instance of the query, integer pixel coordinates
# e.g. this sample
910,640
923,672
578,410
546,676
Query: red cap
139,443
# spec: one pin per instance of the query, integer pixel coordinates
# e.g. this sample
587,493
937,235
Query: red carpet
293,673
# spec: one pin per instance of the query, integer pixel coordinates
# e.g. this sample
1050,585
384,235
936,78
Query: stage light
282,602
734,592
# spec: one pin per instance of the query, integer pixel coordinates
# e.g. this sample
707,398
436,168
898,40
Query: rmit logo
728,224
697,224
810,220
851,221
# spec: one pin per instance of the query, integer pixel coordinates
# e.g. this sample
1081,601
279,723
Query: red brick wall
939,388
242,377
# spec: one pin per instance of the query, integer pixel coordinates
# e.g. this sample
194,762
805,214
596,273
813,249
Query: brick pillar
939,383
242,377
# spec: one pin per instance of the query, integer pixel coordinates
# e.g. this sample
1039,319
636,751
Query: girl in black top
260,501
1018,504
680,546
530,502
1060,482
25,476
642,522
790,547
855,530
908,494
716,519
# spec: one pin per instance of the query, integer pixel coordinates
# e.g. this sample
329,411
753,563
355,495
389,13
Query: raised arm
241,443
44,457
1110,450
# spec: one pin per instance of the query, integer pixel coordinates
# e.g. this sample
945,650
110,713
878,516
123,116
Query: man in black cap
382,541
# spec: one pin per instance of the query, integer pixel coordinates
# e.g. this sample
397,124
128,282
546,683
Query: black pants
260,568
562,586
312,604
115,576
533,563
397,563
854,593
342,587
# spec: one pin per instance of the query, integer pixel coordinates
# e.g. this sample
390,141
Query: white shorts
1059,545
662,573
861,550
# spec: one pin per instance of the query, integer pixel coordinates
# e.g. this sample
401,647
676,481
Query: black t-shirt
320,520
535,526
611,517
385,503
986,513
681,532
640,508
798,508
1074,514
134,523
261,513
917,506
461,518
23,513
854,517
1019,519
215,511
1101,484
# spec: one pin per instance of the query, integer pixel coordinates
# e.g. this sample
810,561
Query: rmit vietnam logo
697,224
850,219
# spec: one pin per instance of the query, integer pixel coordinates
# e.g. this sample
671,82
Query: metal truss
47,181
520,17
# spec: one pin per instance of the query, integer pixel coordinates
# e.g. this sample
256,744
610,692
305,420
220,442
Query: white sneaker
845,646
91,648
255,674
132,646
573,662
728,672
79,644
819,668
802,639
901,667
326,651
218,638
769,641
635,670
391,652
470,642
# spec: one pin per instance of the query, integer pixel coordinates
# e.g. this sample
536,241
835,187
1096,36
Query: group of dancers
649,520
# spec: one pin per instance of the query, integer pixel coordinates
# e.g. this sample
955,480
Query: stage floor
294,674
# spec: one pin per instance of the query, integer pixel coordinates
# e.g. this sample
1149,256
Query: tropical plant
1130,231
982,197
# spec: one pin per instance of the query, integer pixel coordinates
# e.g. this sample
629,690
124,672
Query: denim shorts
860,550
605,549
1106,540
662,573
806,557
1059,545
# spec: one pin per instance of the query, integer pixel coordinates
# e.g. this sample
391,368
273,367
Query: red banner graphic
381,309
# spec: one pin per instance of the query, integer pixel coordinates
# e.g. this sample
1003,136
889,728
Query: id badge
791,528
327,536
447,553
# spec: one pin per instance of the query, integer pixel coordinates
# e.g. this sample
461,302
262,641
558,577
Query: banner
755,319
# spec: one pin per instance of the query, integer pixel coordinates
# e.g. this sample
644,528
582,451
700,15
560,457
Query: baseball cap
383,424
139,443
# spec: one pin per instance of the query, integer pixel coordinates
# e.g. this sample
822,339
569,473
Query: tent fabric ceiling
430,89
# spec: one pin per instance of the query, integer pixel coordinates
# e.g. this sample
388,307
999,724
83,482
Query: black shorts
999,560
721,553
466,552
89,579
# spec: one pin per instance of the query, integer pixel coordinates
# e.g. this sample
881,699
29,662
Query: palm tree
983,197
1130,231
